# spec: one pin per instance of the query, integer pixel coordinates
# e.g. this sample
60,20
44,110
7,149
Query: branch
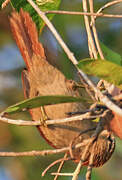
19,122
60,166
81,117
91,45
54,163
53,30
77,170
90,166
84,13
108,5
91,4
40,153
70,55
62,174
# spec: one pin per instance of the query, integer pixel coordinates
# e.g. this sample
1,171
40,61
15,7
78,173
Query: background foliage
13,138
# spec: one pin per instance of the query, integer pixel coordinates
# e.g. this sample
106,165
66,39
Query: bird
41,78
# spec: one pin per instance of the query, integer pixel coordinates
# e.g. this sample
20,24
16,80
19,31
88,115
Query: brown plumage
41,78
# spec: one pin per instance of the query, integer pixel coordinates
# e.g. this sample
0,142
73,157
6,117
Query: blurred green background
15,138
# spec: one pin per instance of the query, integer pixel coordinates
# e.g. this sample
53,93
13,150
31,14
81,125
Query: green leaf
103,69
111,55
44,5
41,101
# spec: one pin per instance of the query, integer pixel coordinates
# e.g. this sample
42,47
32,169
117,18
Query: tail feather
26,36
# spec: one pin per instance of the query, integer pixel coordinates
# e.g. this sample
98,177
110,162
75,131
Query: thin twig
91,45
108,5
92,48
60,166
81,117
32,153
94,30
77,171
62,174
84,13
54,163
41,153
89,168
20,122
102,97
53,30
85,116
